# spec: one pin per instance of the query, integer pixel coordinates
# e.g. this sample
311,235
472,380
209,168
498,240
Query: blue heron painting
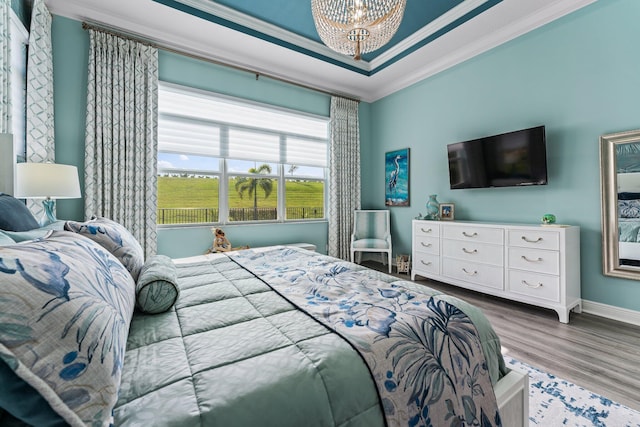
397,178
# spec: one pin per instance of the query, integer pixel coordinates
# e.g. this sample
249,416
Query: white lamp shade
47,180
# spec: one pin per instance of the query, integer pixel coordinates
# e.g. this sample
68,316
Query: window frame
223,173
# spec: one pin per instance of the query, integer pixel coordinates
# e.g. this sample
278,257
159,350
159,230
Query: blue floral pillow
65,309
115,238
629,208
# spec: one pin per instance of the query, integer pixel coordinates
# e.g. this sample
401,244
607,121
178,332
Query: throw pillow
65,309
14,215
115,238
36,233
157,288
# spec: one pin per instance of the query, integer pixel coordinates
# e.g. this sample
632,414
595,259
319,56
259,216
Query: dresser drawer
426,263
482,253
474,234
427,244
535,260
482,274
534,239
535,285
426,228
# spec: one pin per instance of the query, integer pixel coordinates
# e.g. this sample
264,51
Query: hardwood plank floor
599,354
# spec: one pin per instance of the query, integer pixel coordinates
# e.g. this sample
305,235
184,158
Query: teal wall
579,76
70,49
22,8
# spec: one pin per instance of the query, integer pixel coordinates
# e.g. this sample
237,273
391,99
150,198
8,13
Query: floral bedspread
424,353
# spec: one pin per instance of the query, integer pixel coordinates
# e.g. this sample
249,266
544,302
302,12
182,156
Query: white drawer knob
464,233
531,260
425,263
539,285
428,245
470,273
467,251
539,239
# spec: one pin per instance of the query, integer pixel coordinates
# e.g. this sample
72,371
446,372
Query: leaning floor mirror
620,188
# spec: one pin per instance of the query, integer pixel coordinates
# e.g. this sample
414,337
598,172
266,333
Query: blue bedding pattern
424,353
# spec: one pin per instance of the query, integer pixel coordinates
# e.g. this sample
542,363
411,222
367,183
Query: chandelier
354,27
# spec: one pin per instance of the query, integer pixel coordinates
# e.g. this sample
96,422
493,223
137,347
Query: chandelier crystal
354,27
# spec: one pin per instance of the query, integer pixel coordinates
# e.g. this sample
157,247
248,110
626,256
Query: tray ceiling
278,37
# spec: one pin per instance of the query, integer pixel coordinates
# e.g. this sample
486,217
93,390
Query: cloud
184,157
165,164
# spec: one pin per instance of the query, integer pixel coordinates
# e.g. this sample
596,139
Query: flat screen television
509,159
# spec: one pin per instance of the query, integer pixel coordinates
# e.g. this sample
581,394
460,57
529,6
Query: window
225,160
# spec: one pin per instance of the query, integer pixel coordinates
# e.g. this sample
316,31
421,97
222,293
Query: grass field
181,192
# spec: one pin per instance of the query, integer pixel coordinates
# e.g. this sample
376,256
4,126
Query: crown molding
424,67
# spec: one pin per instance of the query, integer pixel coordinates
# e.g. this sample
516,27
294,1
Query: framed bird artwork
396,165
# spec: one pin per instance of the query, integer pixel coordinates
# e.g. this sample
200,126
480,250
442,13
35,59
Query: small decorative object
447,211
419,215
221,243
403,262
548,219
433,207
396,172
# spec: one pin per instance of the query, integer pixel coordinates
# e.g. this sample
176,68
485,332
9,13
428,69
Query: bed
273,336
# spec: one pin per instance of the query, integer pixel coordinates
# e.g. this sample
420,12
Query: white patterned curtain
121,138
5,66
40,135
344,181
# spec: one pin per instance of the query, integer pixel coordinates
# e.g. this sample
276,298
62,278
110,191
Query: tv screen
510,159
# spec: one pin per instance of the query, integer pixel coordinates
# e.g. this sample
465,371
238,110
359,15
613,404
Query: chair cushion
14,215
370,244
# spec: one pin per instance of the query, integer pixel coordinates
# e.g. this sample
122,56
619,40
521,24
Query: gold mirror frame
609,208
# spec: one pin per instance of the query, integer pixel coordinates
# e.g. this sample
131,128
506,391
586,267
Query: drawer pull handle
538,240
467,251
470,273
428,245
464,233
425,231
539,285
425,263
531,260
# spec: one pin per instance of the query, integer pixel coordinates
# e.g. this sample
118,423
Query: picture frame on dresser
446,211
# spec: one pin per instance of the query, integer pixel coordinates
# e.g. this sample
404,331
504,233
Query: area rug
557,402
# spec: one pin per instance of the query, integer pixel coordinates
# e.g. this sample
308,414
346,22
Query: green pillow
5,239
36,233
157,287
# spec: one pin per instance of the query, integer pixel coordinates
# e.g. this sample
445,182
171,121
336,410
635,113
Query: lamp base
48,217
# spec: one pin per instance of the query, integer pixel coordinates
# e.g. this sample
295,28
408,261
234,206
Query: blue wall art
396,164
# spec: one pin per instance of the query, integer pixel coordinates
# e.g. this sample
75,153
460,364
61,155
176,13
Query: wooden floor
599,354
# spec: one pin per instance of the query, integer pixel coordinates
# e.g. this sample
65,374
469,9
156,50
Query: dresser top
498,224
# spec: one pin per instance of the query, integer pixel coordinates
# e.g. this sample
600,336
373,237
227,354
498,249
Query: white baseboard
611,312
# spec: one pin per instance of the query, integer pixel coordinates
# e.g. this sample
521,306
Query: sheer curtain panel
121,138
344,181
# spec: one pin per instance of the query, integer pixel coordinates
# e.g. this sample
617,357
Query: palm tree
250,185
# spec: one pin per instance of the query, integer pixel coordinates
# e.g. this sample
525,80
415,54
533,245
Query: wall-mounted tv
509,159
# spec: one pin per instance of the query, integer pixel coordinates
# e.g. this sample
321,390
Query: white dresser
528,263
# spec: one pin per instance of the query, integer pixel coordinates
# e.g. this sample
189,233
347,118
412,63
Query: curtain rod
147,42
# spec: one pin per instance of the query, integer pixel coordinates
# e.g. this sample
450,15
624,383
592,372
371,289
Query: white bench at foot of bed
512,394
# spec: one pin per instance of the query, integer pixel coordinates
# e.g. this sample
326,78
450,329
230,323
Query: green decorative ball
548,219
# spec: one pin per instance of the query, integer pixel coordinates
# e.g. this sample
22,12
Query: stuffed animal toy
221,243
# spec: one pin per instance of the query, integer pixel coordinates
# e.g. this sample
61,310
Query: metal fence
204,215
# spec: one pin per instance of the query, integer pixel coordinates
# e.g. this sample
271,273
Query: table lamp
48,181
